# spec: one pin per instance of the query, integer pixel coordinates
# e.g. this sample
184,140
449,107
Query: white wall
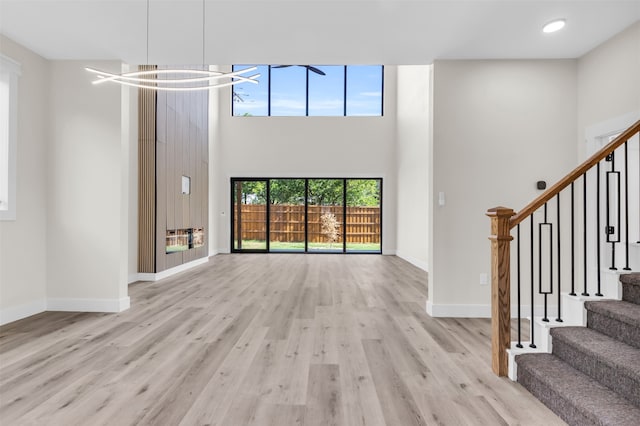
609,102
130,141
413,135
87,199
609,83
498,127
23,241
304,147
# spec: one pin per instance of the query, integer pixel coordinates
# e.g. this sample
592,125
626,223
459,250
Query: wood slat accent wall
182,150
173,142
146,177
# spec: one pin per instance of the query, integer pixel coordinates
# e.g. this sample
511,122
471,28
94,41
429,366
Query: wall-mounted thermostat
541,184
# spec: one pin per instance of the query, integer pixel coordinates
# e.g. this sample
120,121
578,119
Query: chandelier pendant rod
191,80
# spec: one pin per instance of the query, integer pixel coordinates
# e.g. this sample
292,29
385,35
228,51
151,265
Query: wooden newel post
500,288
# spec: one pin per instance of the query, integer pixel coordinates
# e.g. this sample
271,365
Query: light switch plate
484,278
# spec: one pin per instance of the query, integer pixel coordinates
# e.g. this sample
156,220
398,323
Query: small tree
330,227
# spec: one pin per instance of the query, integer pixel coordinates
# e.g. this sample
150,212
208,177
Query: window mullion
307,95
344,104
269,92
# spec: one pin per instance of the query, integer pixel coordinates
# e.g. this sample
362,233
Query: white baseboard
169,272
88,305
15,313
125,303
132,278
412,260
480,311
458,311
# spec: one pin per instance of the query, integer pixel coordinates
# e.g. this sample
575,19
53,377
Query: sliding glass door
364,218
287,217
323,215
325,201
249,215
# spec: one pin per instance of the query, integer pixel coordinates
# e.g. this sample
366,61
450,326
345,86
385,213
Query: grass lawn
277,245
172,249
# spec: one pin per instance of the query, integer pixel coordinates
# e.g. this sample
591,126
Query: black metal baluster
545,318
532,320
626,206
610,229
559,318
584,218
598,293
619,207
519,344
573,246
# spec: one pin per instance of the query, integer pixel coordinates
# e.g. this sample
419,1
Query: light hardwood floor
264,340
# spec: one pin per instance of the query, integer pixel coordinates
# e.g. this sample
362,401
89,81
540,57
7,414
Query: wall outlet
484,278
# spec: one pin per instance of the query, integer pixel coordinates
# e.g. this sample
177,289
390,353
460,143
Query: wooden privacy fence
287,223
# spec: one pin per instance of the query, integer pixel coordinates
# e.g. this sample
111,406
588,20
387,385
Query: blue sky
326,93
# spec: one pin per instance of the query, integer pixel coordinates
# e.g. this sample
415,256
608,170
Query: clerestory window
311,90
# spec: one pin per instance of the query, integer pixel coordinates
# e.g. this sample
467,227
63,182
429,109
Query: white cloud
326,104
287,104
249,105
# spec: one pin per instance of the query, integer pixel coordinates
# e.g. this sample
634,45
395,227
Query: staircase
592,376
575,285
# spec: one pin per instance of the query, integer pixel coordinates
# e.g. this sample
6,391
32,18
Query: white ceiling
311,31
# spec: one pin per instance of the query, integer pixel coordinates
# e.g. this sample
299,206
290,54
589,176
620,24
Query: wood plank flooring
261,339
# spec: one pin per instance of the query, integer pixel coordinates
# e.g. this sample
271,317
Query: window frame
11,70
344,103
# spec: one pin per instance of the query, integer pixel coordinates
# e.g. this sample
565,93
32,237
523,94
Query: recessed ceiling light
554,26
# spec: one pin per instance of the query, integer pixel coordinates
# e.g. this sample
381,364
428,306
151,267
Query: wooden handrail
575,174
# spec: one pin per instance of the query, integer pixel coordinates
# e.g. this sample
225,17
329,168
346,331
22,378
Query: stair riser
620,382
625,333
554,401
631,293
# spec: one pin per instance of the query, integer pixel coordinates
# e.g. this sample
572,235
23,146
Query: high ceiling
311,31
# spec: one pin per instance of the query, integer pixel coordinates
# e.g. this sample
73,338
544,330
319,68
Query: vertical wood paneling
176,165
161,179
170,184
185,125
161,117
173,141
194,200
186,154
146,178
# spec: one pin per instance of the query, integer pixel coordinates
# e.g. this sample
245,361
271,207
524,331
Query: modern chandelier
177,80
